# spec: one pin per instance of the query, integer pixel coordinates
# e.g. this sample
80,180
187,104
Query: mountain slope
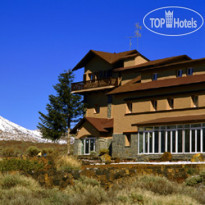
12,131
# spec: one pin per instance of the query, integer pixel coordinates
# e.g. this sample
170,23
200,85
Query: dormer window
179,73
154,76
129,107
195,100
97,109
154,105
190,71
171,103
92,77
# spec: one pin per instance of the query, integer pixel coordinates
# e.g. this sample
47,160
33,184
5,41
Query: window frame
154,76
179,74
190,73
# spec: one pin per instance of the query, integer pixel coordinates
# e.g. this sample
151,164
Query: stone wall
107,174
124,152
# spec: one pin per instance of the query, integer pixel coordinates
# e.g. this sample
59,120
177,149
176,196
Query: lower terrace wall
107,174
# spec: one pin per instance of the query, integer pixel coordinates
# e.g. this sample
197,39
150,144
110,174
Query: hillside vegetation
147,190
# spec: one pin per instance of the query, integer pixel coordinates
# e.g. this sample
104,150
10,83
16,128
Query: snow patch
12,131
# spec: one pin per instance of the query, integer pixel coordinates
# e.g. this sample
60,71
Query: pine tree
63,109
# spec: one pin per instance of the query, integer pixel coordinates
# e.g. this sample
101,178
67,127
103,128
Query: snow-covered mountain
12,131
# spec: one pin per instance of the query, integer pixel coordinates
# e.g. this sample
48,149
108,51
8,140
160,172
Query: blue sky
39,39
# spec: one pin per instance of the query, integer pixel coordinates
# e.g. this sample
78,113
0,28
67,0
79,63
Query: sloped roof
106,56
158,62
134,85
173,120
100,124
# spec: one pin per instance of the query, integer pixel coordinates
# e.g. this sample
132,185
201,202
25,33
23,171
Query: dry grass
158,190
144,197
21,190
66,163
19,148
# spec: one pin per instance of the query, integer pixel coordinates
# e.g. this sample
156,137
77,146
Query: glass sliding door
177,139
163,141
168,141
88,145
203,140
156,142
187,140
193,140
150,142
180,141
173,136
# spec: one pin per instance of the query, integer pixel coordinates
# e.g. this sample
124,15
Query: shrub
167,156
9,152
86,194
67,163
47,151
32,151
9,181
156,184
193,180
202,175
197,158
89,181
21,165
106,158
93,153
160,185
191,171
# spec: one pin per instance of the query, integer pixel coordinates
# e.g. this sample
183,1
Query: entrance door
88,145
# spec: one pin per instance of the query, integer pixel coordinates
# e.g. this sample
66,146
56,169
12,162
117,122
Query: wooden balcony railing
94,84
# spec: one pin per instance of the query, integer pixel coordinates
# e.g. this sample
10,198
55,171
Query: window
171,103
177,139
88,145
179,73
129,107
190,71
109,99
127,140
154,105
195,100
154,76
92,76
96,109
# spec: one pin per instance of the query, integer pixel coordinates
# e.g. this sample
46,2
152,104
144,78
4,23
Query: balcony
94,84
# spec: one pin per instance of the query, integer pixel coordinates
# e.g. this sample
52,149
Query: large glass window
175,139
163,141
203,139
187,140
180,140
